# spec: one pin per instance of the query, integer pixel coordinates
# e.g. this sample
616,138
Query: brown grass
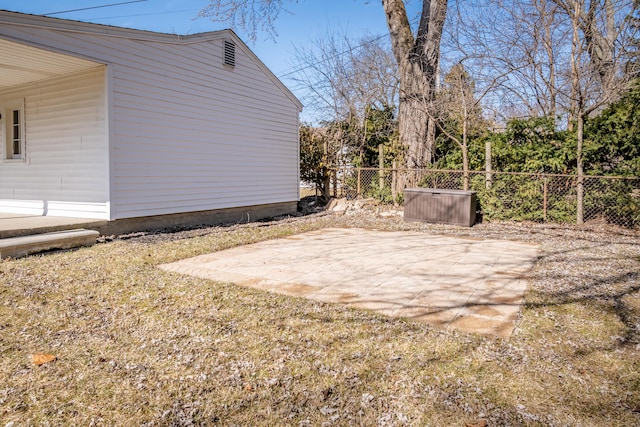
139,346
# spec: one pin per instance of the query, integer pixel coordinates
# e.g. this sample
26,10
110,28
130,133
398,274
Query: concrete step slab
16,247
16,225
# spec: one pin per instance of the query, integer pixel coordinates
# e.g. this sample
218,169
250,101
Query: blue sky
304,22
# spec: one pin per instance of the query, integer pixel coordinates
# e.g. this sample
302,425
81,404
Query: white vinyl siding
65,171
225,149
188,133
213,137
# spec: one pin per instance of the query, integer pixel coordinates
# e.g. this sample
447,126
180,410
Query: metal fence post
394,182
381,165
487,165
544,198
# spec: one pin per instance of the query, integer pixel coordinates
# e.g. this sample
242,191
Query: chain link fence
506,196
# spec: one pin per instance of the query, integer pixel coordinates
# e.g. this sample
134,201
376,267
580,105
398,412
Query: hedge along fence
507,195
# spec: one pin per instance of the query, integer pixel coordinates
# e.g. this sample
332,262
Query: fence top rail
482,172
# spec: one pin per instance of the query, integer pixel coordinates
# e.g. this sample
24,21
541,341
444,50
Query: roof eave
39,21
23,19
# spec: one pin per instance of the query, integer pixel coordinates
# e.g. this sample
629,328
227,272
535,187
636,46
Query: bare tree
597,59
563,57
517,48
341,77
250,15
458,106
417,57
533,41
632,50
349,82
459,103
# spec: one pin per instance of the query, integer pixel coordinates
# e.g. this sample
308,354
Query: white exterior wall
64,172
211,137
186,132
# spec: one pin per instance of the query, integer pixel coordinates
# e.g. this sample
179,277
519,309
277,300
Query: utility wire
92,7
336,55
351,49
169,12
285,74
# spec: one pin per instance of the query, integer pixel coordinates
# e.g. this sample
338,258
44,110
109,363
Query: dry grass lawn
135,345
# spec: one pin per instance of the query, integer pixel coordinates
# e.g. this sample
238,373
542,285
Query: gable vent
229,53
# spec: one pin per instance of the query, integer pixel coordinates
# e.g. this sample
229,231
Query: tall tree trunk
418,60
577,108
597,23
600,41
580,170
413,115
465,148
548,13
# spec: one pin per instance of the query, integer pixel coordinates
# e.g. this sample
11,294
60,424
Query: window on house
13,125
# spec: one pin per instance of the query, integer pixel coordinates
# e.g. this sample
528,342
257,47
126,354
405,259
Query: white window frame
13,133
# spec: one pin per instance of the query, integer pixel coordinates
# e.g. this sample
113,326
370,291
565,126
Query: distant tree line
541,86
527,85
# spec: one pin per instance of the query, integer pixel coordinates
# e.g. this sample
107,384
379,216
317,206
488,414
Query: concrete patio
473,285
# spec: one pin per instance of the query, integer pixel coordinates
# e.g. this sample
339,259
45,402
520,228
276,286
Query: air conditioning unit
435,205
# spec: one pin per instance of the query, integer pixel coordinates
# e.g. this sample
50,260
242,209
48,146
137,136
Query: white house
112,123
